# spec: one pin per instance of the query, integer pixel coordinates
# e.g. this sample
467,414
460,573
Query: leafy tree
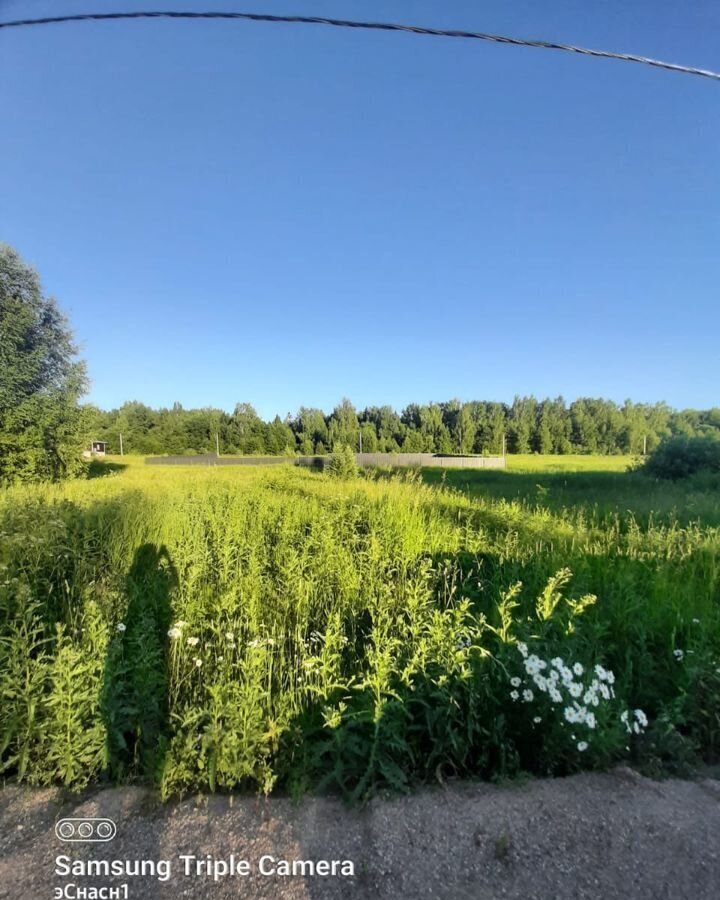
311,429
460,424
522,423
246,430
543,435
388,428
344,426
369,437
434,432
492,427
280,438
42,428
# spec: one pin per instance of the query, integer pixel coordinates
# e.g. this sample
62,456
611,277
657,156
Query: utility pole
360,437
503,445
645,445
121,447
217,444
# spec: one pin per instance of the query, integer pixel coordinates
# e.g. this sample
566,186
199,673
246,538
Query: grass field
239,627
600,488
570,462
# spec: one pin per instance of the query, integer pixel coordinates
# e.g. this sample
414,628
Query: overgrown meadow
283,629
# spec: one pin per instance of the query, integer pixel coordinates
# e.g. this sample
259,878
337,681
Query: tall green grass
202,628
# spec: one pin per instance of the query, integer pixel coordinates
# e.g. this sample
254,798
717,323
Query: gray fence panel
364,459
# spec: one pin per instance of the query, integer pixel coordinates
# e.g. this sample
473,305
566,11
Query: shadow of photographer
136,675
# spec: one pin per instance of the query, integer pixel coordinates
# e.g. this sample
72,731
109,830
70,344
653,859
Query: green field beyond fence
279,628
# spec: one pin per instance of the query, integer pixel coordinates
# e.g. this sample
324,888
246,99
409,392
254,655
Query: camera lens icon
85,829
105,830
65,830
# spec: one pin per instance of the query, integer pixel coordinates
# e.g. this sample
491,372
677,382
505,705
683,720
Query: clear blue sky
289,214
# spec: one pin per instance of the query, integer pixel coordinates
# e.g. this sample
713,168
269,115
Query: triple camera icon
85,829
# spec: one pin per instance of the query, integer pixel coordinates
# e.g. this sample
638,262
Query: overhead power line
374,26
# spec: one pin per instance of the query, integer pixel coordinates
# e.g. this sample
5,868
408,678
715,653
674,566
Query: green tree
369,437
492,426
246,430
344,427
460,424
311,430
280,438
42,427
522,423
434,433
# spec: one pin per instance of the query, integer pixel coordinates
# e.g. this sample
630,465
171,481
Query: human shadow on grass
135,689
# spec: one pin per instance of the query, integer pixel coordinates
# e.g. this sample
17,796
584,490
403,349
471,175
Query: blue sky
289,214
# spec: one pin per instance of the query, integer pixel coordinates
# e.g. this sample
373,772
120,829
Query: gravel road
614,835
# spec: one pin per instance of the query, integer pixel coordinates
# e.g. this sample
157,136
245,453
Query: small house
98,448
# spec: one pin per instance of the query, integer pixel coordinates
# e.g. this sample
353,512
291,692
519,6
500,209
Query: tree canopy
528,425
41,380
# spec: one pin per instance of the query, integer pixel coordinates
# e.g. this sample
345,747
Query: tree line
526,425
44,427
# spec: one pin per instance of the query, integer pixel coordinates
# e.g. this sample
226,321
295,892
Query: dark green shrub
678,457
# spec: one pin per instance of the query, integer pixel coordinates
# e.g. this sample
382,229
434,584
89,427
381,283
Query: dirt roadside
614,835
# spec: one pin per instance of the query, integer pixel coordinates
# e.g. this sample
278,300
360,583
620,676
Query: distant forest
527,425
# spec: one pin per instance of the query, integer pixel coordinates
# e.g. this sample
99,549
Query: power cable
374,26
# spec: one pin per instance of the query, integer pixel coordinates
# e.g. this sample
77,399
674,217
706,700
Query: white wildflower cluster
635,725
565,686
175,632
